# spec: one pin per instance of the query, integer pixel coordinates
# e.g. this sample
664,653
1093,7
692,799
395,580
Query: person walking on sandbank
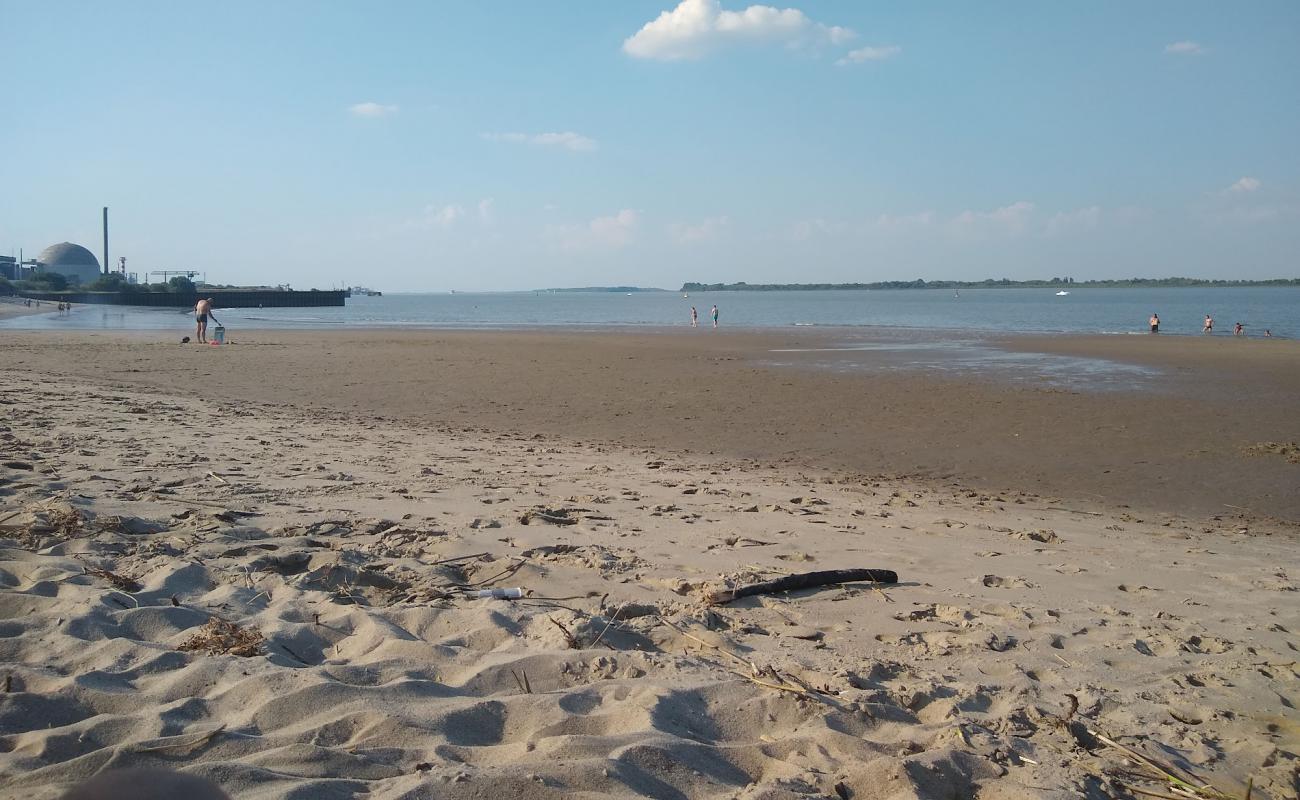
695,318
203,310
714,314
1155,322
1209,324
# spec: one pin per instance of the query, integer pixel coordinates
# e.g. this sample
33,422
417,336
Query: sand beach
258,563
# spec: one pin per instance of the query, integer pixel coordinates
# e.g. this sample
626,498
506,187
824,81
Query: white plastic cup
501,594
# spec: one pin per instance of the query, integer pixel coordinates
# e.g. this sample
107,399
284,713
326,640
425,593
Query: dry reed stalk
457,558
573,643
603,631
201,739
785,682
1182,784
523,684
507,572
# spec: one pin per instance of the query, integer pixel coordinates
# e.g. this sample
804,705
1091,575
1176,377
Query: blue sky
429,146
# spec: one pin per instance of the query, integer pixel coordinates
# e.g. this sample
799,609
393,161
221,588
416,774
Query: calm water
1023,310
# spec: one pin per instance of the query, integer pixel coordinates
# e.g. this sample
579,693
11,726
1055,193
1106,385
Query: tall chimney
105,240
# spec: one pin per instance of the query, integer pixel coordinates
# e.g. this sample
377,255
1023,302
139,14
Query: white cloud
1245,185
485,210
431,217
372,110
1010,219
1185,48
805,229
567,140
1252,215
902,222
696,27
1066,222
869,54
709,228
440,216
610,233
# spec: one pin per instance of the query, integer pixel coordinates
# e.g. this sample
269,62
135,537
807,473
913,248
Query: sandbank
1205,434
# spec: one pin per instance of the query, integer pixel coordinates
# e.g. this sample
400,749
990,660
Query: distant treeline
988,283
623,289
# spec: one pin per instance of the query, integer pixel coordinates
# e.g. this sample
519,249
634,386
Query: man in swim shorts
202,310
1209,324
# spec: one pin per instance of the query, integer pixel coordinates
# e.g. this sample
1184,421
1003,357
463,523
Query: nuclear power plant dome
71,261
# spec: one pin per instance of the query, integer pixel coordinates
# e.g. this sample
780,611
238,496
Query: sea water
1112,311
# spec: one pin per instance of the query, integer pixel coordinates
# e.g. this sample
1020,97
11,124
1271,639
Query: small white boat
1062,293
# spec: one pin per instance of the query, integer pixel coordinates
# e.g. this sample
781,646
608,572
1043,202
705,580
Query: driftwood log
803,580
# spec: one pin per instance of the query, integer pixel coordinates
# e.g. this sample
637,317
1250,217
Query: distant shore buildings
72,261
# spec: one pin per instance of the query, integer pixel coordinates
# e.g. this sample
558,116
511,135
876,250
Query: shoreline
646,328
1171,445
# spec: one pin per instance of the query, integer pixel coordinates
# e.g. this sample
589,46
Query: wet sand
12,307
1192,439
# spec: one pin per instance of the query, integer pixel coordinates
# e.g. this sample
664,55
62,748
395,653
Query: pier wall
270,298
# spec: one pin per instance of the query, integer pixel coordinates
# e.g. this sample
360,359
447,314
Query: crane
168,274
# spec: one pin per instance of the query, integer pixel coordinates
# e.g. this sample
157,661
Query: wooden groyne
222,298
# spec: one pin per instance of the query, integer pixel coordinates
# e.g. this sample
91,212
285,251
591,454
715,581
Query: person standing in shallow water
1209,324
714,314
1155,323
695,318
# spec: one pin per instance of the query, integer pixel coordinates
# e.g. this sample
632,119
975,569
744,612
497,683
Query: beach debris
1179,783
120,582
766,676
568,635
499,593
1288,450
524,685
555,516
186,742
802,580
219,637
1044,535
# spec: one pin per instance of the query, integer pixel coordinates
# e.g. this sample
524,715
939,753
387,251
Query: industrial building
72,261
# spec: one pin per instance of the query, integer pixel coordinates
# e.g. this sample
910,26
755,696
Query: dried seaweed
219,637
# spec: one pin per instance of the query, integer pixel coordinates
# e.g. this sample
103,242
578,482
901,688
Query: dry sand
332,514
